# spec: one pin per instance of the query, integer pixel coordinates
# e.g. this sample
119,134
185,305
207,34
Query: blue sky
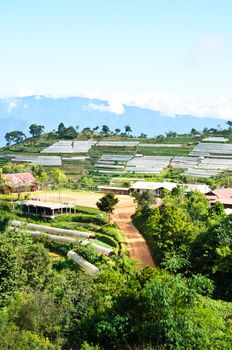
172,55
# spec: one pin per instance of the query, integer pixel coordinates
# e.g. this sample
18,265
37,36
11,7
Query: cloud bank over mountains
149,114
168,105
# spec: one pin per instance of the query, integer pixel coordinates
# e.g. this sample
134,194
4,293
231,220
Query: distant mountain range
18,113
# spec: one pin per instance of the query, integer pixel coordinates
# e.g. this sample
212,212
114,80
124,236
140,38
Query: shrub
86,218
108,240
83,218
113,232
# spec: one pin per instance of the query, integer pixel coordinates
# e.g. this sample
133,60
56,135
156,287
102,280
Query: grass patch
165,151
103,244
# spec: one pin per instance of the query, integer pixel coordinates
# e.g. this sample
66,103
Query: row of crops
213,158
195,166
66,147
131,157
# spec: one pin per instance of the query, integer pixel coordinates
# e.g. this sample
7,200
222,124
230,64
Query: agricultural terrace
87,219
87,230
112,156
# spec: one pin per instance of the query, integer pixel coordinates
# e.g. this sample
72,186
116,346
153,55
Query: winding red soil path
137,246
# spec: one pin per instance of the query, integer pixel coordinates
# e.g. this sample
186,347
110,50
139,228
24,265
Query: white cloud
169,105
11,105
114,106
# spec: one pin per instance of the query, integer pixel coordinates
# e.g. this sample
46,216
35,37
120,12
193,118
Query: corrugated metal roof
50,205
152,186
113,188
222,193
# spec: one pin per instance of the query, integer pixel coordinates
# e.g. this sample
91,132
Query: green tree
57,176
105,129
211,255
193,132
171,134
24,263
69,133
14,137
36,130
117,131
128,129
144,200
14,338
61,130
107,203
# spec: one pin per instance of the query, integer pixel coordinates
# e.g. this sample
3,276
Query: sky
171,55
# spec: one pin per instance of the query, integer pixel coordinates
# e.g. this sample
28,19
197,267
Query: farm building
115,190
223,195
156,188
17,183
46,209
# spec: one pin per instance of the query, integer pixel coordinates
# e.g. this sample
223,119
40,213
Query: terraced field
66,147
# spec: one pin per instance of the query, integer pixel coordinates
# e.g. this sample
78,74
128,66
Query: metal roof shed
46,209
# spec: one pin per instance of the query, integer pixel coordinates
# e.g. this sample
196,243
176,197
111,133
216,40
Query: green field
165,151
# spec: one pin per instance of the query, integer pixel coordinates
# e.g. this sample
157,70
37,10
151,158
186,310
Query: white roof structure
63,146
71,159
212,149
152,186
214,139
50,205
39,160
147,164
200,188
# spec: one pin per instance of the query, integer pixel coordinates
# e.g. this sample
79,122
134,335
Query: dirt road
137,245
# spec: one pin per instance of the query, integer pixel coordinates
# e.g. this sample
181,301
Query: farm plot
184,162
215,139
202,173
162,150
69,147
117,144
112,163
71,159
159,145
125,147
147,165
76,168
210,167
212,149
216,163
38,160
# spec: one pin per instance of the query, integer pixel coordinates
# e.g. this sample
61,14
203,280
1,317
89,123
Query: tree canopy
14,137
36,130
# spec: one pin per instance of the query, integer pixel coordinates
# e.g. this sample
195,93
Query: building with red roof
17,183
223,195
